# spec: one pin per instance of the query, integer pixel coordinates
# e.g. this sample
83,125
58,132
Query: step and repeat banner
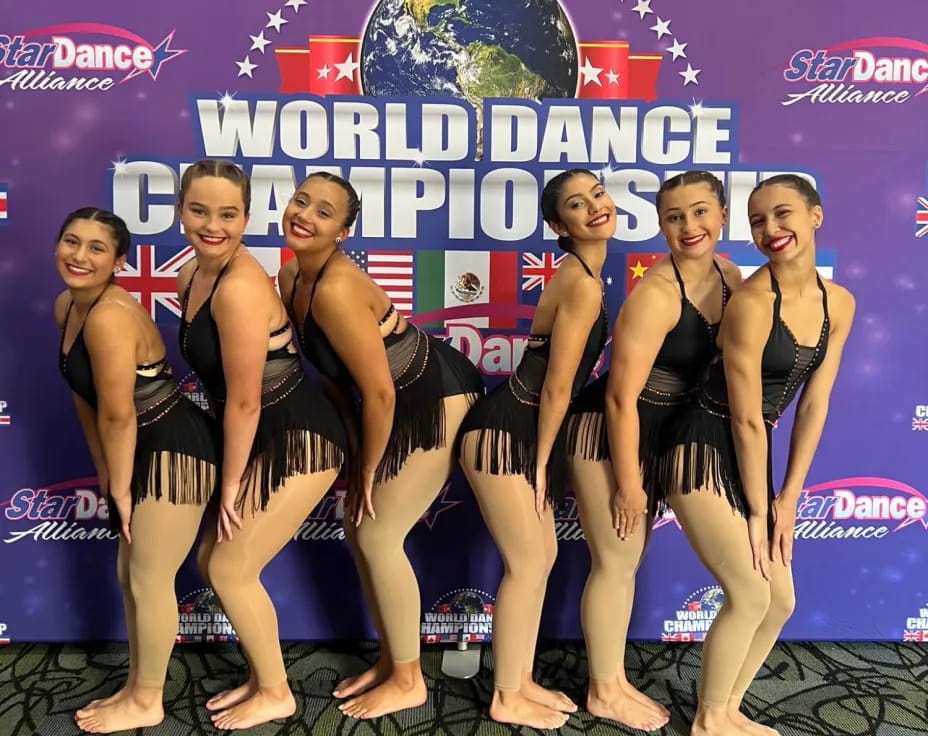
448,116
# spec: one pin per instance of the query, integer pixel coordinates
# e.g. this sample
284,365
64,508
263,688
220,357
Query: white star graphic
346,68
275,20
226,100
677,49
661,28
119,166
613,77
689,76
590,73
258,42
419,158
245,68
696,109
324,71
605,171
295,4
643,8
608,280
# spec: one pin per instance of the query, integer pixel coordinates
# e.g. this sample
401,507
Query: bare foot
365,681
121,715
100,702
256,709
628,710
228,698
636,694
521,711
553,699
749,727
714,722
388,697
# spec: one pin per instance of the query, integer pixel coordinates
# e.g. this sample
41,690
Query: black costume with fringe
686,352
299,430
507,417
176,445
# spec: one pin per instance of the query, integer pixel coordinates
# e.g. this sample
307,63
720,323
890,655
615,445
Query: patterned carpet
820,689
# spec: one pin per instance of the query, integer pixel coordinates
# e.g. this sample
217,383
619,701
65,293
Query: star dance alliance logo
46,59
838,74
67,511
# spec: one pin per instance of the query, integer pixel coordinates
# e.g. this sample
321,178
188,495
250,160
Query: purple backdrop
426,113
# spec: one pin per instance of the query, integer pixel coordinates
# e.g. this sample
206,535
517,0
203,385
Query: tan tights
387,578
755,610
528,546
606,605
233,568
162,534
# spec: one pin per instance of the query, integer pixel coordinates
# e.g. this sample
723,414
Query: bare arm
572,323
110,336
813,403
643,322
87,416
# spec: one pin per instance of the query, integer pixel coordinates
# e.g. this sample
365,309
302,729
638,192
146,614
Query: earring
338,241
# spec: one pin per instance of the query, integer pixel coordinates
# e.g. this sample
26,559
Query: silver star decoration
295,4
643,8
689,76
324,71
346,68
245,68
419,158
226,100
608,280
590,73
661,28
605,171
677,49
119,166
613,77
258,42
696,109
275,20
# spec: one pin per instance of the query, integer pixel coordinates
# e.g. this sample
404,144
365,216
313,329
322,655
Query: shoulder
750,304
244,275
341,287
62,303
286,276
841,302
113,315
730,271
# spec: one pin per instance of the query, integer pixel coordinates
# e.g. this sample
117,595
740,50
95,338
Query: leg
782,603
720,538
400,503
606,606
234,569
507,503
162,534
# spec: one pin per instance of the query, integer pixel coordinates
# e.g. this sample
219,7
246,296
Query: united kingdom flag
921,217
909,635
539,268
151,277
919,424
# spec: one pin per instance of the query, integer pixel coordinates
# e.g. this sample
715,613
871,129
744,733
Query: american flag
151,278
3,200
391,271
921,217
909,635
919,424
539,268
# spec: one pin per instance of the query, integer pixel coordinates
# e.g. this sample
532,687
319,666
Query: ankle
604,689
281,691
507,697
711,716
406,675
147,697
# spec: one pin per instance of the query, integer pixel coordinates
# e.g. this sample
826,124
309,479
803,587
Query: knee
376,540
782,605
224,572
124,577
750,602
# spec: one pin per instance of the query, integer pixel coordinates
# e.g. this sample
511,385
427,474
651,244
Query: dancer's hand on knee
541,488
366,501
757,534
228,516
627,509
123,503
784,528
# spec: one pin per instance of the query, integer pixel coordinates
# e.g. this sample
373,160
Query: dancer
514,442
783,331
415,391
664,339
282,441
153,449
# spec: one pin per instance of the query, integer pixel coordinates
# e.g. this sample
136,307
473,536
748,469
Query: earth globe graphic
467,602
470,49
712,599
207,602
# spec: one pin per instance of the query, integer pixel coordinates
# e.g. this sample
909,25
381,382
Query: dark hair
354,201
692,177
795,182
220,169
551,197
113,221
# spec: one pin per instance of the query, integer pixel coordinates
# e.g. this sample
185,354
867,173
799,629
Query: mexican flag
453,278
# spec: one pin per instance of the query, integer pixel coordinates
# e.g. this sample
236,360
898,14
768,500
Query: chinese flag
636,264
335,65
294,67
604,70
642,71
